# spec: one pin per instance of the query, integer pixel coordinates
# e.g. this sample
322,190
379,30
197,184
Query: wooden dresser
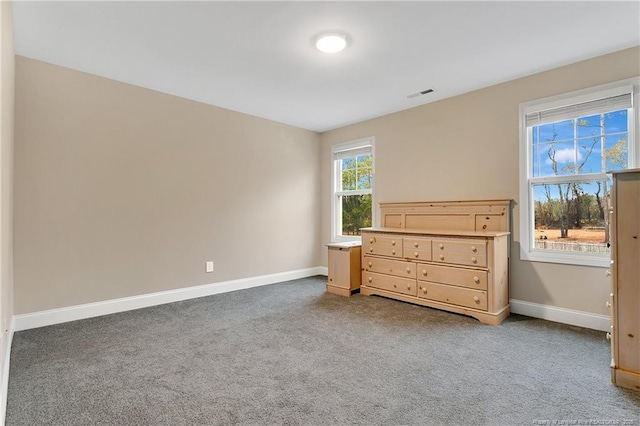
445,255
625,283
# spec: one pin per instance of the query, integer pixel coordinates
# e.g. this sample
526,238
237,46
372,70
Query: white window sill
550,256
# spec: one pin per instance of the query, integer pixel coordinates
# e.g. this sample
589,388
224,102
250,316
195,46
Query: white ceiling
258,58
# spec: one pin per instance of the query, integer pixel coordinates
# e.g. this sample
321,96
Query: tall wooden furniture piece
625,271
344,268
445,255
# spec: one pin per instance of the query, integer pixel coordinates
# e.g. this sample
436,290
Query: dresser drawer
462,252
454,276
399,268
460,296
417,248
382,245
390,283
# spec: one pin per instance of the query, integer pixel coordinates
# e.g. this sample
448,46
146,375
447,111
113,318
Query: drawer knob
408,286
393,243
408,270
370,279
415,253
442,257
476,299
441,246
424,290
608,272
371,249
424,272
415,244
476,280
607,304
371,240
395,286
474,260
608,336
393,252
474,249
370,264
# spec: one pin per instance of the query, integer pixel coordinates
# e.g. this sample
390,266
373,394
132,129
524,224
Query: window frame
527,214
336,207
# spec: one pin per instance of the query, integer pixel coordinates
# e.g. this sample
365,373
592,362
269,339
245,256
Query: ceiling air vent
424,92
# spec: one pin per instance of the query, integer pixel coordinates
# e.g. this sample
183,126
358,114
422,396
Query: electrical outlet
209,267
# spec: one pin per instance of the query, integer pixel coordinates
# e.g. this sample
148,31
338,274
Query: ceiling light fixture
331,42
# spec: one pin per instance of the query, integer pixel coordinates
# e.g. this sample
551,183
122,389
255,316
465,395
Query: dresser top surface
439,232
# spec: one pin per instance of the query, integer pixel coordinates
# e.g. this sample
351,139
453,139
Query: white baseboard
4,383
90,310
563,315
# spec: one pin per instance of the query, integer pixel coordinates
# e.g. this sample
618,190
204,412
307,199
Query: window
352,193
567,145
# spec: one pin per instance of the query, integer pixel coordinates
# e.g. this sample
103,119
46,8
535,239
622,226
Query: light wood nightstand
344,268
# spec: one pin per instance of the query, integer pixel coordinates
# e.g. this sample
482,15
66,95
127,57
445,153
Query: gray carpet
290,354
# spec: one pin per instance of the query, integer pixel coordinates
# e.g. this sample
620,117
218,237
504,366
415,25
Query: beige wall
6,177
122,191
466,148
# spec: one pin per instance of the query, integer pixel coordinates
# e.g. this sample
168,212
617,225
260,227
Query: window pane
588,126
590,155
616,152
356,213
348,174
364,178
615,122
555,132
554,159
571,217
348,180
348,163
542,166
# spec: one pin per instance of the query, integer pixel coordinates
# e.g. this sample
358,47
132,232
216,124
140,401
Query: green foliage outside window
356,213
